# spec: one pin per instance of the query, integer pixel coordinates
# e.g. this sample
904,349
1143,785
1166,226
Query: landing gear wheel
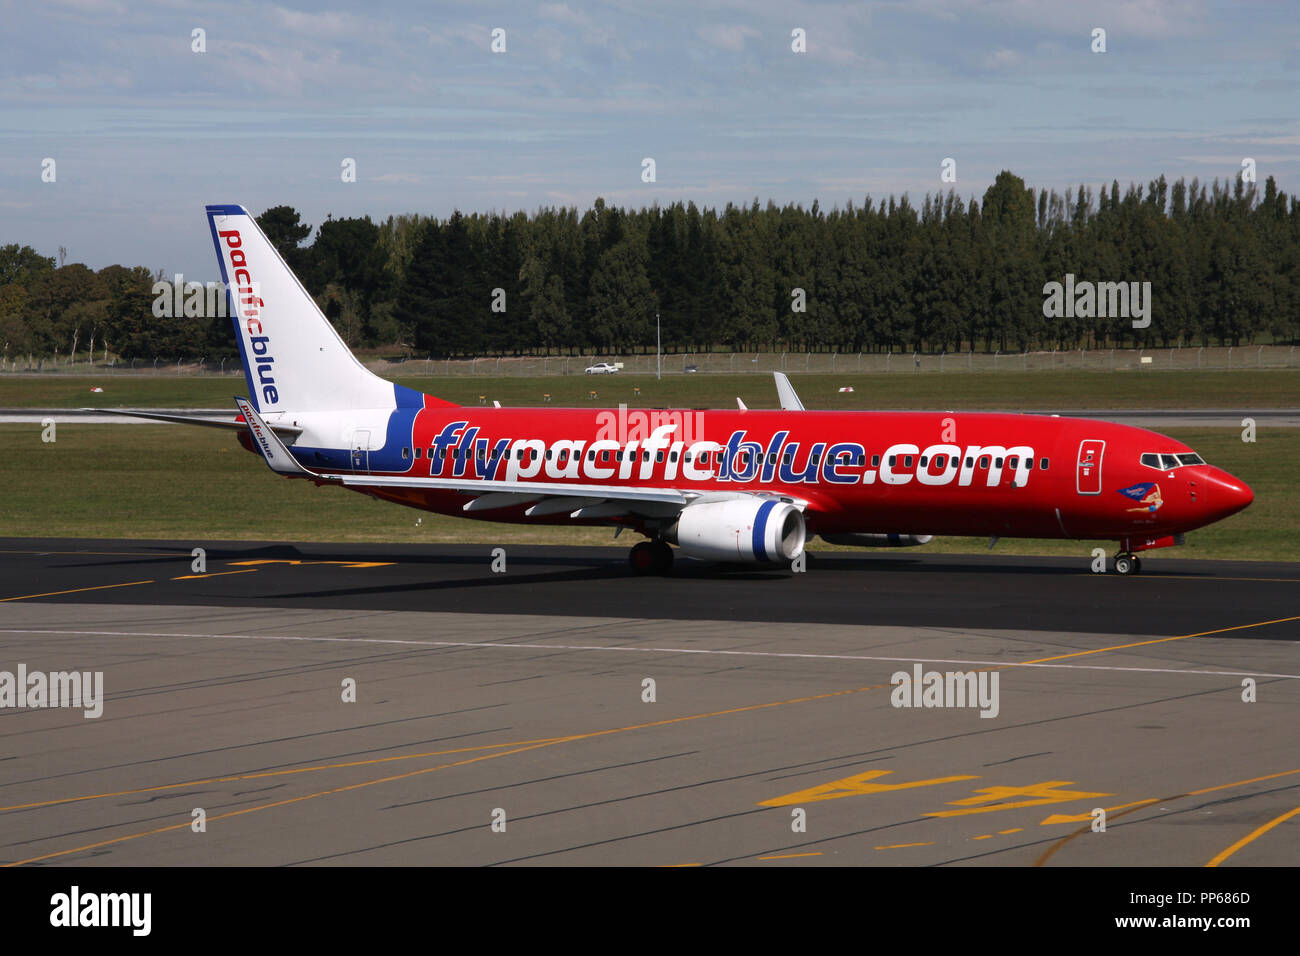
1126,564
663,557
650,557
641,559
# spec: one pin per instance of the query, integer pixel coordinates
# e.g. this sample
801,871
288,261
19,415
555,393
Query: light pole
659,365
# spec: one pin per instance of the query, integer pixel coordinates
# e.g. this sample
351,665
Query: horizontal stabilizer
290,432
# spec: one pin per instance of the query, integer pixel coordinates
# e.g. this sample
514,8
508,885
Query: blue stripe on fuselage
398,434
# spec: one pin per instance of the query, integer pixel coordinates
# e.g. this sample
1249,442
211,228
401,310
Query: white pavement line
645,650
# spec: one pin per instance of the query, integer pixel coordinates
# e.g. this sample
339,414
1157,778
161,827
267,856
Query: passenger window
939,461
875,461
970,461
1013,461
430,454
984,461
787,458
604,455
406,453
418,452
997,462
816,459
861,459
893,461
672,456
922,462
907,461
645,456
659,456
1029,464
1043,463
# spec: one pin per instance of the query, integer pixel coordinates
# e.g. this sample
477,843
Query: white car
602,368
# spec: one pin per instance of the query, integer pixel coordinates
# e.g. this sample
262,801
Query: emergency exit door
1088,469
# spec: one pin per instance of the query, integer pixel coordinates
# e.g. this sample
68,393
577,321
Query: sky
144,130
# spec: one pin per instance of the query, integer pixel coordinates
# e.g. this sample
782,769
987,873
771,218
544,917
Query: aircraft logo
1146,493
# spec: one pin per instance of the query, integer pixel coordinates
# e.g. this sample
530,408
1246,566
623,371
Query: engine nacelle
744,529
879,540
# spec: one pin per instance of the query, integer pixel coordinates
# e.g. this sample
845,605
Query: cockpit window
1166,462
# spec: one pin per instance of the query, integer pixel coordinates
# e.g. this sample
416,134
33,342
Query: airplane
741,486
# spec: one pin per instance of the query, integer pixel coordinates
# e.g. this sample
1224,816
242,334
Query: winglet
268,442
785,392
741,405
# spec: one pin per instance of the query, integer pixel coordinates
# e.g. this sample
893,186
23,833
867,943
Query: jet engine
748,529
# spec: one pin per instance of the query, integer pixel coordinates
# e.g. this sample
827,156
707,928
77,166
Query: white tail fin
293,358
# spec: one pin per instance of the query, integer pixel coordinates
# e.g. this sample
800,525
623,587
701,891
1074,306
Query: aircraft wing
552,497
786,394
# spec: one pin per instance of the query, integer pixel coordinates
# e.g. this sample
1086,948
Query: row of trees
1223,261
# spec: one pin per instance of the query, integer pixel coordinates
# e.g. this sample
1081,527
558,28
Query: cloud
727,36
99,8
1002,59
330,23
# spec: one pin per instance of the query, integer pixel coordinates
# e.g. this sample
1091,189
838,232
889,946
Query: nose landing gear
1127,564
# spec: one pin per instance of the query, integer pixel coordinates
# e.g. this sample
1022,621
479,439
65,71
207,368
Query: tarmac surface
370,704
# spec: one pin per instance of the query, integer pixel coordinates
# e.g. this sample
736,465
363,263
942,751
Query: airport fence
825,363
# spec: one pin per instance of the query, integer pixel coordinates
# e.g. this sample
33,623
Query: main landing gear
650,557
1127,564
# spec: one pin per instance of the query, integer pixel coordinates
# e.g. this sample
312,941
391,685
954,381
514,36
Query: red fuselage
946,473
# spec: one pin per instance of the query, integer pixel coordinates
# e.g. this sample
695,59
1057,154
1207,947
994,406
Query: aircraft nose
1228,494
